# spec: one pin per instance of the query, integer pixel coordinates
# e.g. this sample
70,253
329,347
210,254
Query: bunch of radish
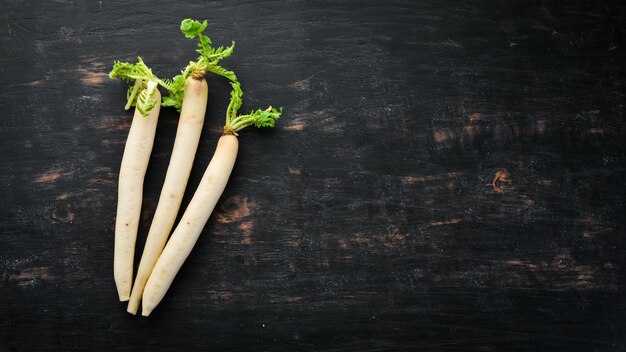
188,93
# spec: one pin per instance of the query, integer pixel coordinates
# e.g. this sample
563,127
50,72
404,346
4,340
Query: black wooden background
447,175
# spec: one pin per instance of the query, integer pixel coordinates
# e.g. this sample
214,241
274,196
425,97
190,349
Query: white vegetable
185,146
203,202
130,192
191,224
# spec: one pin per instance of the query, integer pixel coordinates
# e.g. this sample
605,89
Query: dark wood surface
447,176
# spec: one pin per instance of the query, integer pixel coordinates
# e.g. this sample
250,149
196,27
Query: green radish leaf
170,102
175,88
206,62
222,72
138,75
144,102
131,72
259,118
209,55
192,28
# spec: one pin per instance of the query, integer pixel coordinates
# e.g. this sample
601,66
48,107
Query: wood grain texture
448,176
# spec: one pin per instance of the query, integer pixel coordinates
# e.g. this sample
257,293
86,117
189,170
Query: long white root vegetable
204,200
130,194
191,224
188,91
185,146
144,95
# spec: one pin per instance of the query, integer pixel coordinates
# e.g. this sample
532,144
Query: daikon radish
145,96
192,98
204,200
185,146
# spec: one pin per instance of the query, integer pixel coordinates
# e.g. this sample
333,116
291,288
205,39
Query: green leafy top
206,62
142,84
209,55
259,118
175,88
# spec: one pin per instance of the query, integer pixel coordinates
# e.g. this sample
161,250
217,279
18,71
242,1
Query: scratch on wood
32,276
501,178
393,238
234,209
225,295
113,123
445,222
475,117
302,85
411,180
564,273
361,239
51,176
596,130
246,228
35,83
100,181
296,127
91,78
443,135
105,169
92,72
295,241
469,133
63,196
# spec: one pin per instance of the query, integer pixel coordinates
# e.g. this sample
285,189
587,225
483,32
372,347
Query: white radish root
185,146
191,224
130,192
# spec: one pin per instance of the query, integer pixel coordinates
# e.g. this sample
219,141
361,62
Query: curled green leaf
259,118
209,56
192,28
142,84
